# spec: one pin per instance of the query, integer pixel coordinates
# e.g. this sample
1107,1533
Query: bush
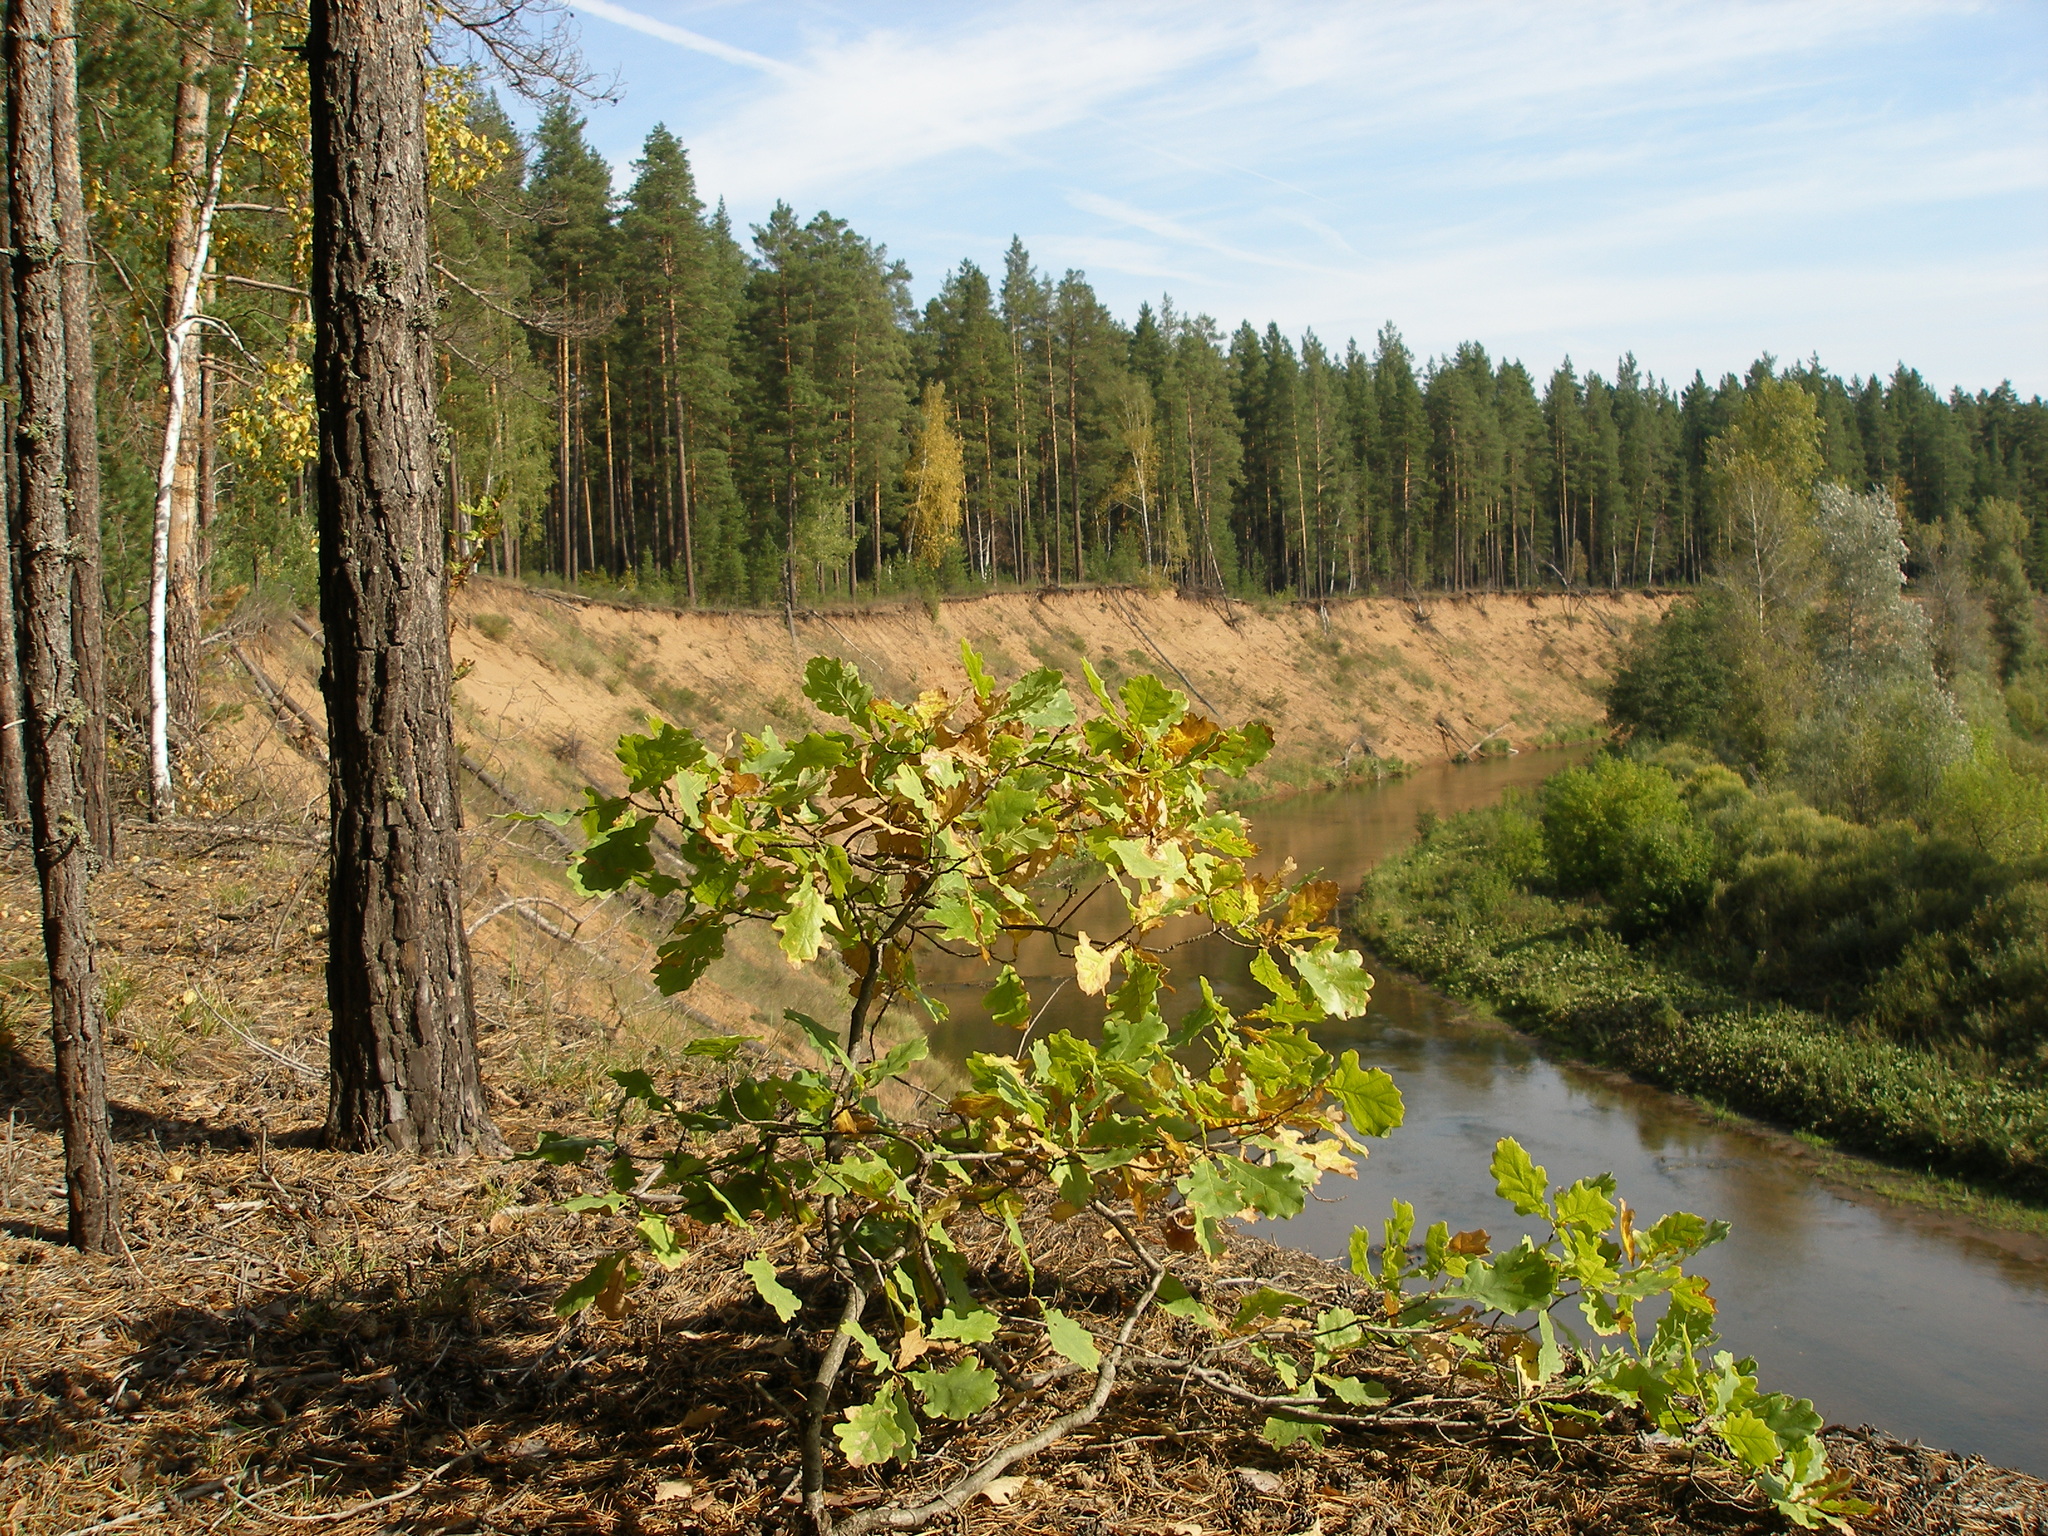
1622,830
1674,683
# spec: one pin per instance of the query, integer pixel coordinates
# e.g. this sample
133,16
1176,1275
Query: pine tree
572,247
496,398
1402,444
403,1041
680,334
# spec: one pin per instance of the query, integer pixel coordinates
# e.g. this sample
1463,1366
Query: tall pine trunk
13,771
49,565
403,1040
82,441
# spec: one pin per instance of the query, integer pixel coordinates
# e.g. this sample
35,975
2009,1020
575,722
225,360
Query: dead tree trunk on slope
47,568
403,1041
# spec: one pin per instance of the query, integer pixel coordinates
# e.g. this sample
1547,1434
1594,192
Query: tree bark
13,771
189,178
47,566
403,1040
81,440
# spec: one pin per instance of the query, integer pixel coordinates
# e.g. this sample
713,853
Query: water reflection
1922,1325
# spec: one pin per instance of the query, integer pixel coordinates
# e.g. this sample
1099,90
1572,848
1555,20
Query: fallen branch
260,1047
1117,598
505,792
352,1510
562,935
162,1506
957,1496
285,708
1472,752
225,832
518,904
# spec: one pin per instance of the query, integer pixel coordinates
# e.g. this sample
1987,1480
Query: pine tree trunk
403,1041
82,441
48,568
13,772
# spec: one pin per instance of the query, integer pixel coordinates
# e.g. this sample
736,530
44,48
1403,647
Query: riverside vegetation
1813,885
968,821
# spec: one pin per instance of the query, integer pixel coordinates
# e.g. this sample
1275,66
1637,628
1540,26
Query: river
1926,1326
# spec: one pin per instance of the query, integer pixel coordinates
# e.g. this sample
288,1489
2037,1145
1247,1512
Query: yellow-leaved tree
937,478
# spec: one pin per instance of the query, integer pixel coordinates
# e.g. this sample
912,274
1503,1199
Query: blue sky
1698,183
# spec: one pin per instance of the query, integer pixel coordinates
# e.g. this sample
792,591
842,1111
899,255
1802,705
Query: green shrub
1622,830
1674,682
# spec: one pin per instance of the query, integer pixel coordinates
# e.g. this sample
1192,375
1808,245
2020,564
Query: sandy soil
1352,688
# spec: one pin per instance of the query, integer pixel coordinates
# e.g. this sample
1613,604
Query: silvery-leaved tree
968,821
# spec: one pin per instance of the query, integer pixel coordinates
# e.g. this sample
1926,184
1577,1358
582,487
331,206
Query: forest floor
301,1339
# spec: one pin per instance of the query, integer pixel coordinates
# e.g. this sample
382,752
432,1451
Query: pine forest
637,394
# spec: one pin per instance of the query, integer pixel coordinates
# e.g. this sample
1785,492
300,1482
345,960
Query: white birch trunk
177,337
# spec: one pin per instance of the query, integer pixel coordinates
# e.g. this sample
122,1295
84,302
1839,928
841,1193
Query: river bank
1451,911
1354,689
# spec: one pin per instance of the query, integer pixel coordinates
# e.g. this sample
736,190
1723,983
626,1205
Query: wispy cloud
682,37
1684,168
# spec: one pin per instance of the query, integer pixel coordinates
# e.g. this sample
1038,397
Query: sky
1861,180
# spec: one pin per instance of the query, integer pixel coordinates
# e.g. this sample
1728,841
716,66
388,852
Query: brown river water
1927,1326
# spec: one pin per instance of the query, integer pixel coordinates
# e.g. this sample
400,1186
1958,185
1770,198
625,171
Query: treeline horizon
634,393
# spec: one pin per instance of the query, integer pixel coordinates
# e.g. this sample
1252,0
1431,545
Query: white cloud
1470,167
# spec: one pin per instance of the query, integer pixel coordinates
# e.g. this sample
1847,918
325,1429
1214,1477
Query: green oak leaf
960,1393
771,1290
1586,1204
684,958
1220,1187
1150,704
1176,1300
878,1431
662,1242
1753,1441
600,1279
1354,1391
835,687
977,1325
1262,1306
1371,1101
803,926
1281,1432
1007,1001
657,757
1519,1279
1040,699
1337,977
1517,1180
1071,1339
901,1056
614,857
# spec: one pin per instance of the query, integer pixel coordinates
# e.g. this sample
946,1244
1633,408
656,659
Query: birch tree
173,536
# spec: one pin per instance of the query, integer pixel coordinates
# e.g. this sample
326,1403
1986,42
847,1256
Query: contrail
682,37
